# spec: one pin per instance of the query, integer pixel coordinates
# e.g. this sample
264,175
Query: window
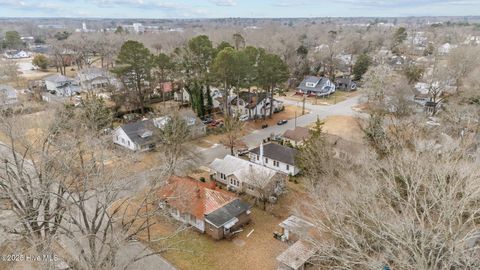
276,163
258,157
128,143
266,160
288,167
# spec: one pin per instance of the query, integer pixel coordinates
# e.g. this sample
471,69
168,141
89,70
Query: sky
159,9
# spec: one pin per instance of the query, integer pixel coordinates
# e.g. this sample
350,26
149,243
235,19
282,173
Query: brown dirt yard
346,127
336,97
192,250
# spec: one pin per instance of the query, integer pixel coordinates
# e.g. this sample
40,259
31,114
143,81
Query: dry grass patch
195,251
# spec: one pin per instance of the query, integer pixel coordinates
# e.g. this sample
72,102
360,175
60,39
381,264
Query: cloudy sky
236,8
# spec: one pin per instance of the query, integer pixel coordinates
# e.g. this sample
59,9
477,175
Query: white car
243,118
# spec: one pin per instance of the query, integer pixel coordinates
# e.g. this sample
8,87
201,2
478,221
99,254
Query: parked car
207,120
282,122
242,151
277,138
243,118
216,123
265,125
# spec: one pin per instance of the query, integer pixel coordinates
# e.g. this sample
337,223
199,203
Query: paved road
140,181
316,111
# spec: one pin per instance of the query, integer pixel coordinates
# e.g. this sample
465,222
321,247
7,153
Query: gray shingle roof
319,82
252,99
56,78
228,212
277,152
135,130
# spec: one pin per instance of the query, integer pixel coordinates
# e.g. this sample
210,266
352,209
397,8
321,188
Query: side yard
336,97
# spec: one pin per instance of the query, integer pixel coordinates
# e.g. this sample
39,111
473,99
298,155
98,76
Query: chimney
261,153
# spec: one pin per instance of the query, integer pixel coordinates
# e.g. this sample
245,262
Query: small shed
296,257
293,227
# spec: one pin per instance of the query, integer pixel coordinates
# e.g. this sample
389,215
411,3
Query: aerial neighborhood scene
239,134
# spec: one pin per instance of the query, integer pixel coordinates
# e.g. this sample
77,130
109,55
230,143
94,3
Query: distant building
137,136
96,79
345,84
253,105
15,54
316,86
140,135
138,28
446,48
61,85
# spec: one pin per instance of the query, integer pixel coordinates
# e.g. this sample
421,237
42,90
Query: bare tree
461,63
231,138
412,209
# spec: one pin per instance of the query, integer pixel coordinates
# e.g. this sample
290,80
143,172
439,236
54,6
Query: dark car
282,122
207,120
265,125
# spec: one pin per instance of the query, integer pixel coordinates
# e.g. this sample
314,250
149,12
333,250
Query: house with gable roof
208,209
278,157
316,86
61,85
244,176
136,136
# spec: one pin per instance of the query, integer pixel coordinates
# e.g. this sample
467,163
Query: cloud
44,7
145,4
225,3
405,3
289,3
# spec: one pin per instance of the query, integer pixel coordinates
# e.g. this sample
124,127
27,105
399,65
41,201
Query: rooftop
277,152
298,134
194,197
297,254
245,171
227,213
138,131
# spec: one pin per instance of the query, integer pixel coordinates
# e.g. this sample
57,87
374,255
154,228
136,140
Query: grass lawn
198,251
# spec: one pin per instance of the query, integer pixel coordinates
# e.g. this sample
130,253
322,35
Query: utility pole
303,106
295,117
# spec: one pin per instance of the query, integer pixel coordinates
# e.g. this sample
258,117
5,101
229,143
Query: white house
277,157
61,85
446,48
96,79
17,54
137,136
8,95
253,105
245,176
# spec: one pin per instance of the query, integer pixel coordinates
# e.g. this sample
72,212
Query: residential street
140,181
